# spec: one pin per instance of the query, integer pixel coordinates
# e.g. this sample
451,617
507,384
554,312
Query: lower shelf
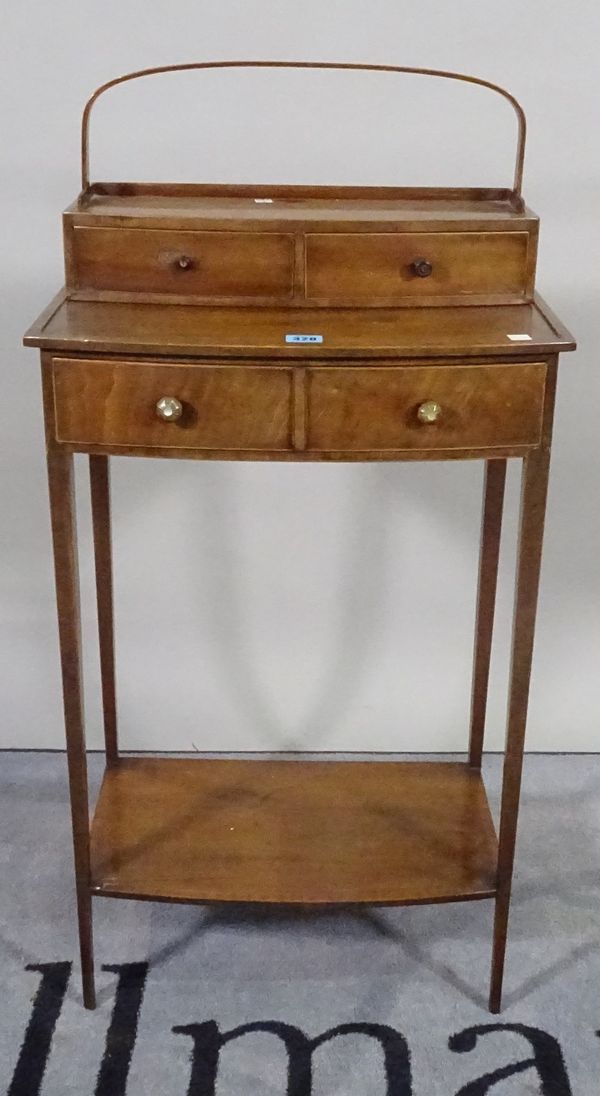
307,832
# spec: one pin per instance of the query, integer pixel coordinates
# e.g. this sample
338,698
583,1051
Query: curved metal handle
350,66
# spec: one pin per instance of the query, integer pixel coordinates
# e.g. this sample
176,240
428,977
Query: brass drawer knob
169,408
422,268
429,412
184,262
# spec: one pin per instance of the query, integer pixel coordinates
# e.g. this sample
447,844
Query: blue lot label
304,338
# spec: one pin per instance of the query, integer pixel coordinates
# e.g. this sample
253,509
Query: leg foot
499,952
86,949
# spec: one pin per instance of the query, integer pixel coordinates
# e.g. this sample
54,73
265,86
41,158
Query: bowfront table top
112,327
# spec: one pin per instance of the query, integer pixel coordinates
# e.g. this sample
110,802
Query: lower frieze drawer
183,406
425,407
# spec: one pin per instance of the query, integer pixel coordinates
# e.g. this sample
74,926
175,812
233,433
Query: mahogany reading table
302,324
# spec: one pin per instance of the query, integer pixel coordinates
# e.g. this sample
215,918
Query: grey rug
222,1002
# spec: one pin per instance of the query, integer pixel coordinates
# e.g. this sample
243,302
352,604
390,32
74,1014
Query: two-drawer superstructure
299,324
306,246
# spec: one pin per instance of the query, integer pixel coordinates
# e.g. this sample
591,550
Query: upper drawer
427,267
425,408
203,264
222,407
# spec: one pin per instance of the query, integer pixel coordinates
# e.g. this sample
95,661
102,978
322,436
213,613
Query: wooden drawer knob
184,262
422,268
169,408
429,412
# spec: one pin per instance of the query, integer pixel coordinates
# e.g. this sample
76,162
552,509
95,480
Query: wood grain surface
118,328
346,207
114,403
378,267
293,832
215,264
481,406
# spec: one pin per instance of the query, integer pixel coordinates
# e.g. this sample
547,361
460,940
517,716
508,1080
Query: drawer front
204,264
223,407
383,267
478,406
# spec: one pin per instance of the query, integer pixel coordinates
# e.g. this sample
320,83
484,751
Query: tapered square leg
533,506
101,522
491,528
62,509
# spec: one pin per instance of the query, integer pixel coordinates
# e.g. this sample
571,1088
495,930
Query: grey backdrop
300,607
